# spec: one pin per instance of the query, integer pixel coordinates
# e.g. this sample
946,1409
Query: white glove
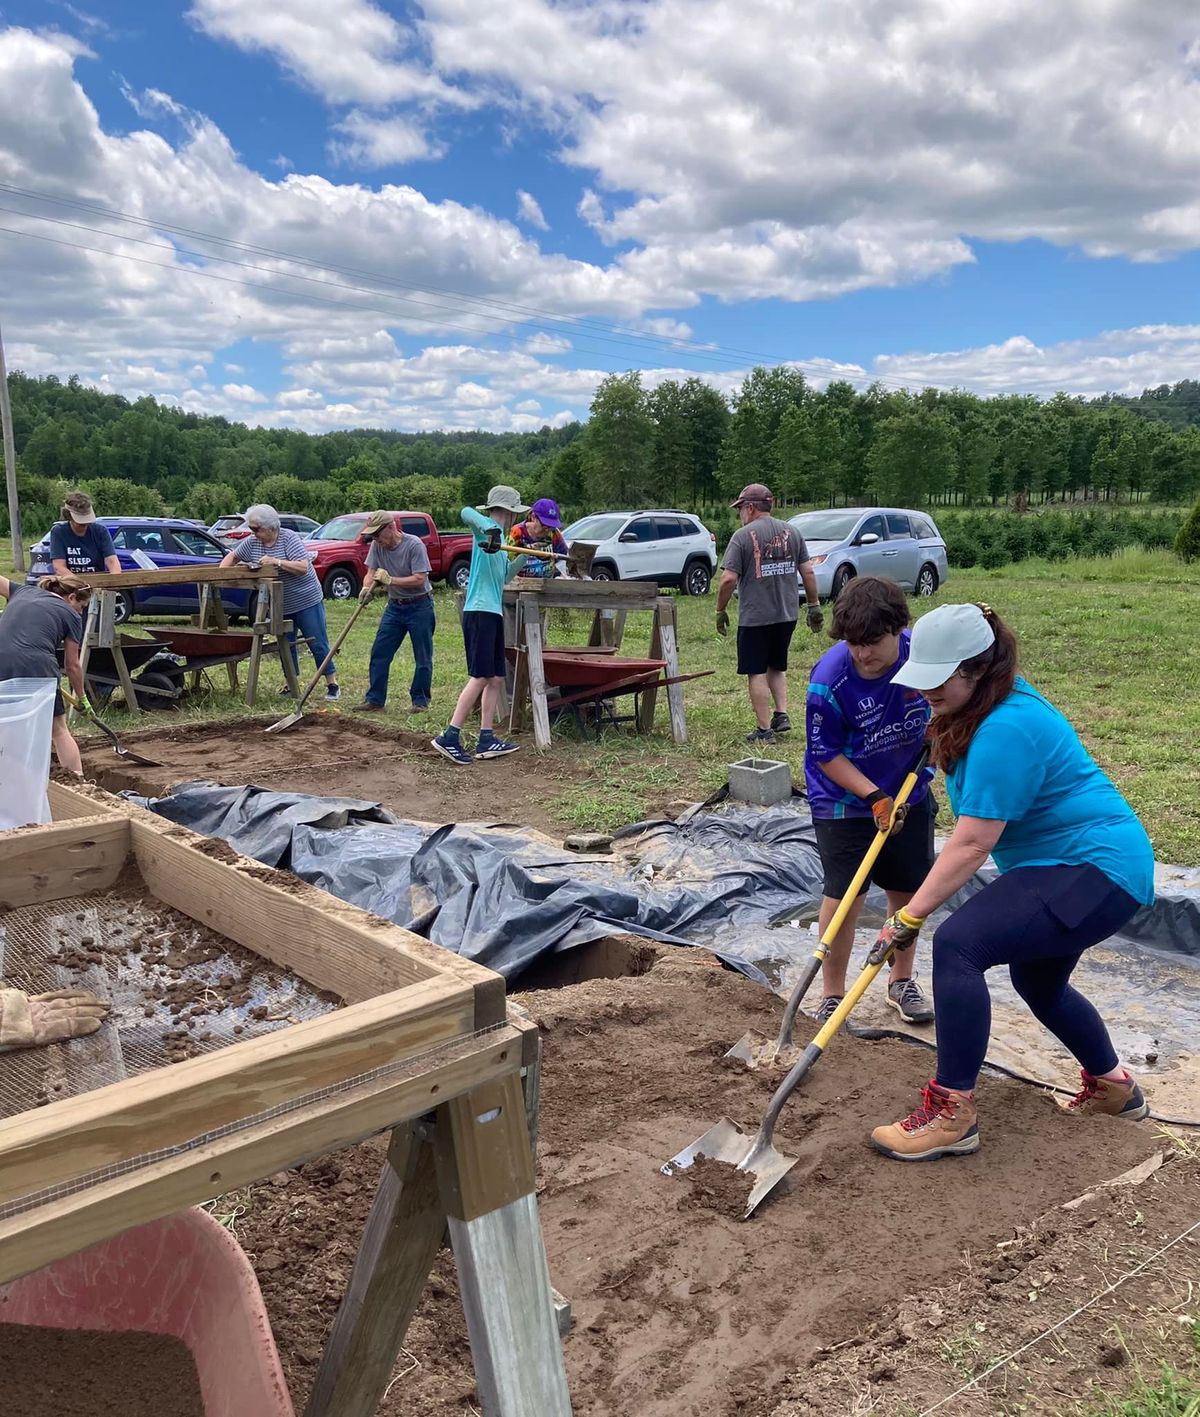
29,1020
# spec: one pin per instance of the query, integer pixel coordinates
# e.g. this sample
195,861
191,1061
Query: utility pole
10,466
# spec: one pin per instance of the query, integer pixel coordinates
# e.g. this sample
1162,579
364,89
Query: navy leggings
1038,920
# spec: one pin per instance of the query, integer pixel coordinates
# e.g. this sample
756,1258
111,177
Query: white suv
672,547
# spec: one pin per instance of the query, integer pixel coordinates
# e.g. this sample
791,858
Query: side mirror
627,536
868,538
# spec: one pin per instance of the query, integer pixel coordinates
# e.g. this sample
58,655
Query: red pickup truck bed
341,557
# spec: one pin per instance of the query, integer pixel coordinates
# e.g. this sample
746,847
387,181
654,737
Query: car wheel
123,607
845,574
696,578
460,573
927,580
339,584
605,572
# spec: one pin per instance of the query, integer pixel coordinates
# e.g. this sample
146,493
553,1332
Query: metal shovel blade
758,1052
726,1141
284,723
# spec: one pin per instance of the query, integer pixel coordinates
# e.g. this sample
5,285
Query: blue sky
995,197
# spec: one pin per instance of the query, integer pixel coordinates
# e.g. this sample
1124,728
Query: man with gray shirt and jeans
766,559
409,610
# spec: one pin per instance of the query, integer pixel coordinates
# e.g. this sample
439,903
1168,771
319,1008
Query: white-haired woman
270,544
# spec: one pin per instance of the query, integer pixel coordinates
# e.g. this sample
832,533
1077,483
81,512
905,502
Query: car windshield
339,529
827,526
596,528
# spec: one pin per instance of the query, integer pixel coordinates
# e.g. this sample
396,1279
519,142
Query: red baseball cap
754,492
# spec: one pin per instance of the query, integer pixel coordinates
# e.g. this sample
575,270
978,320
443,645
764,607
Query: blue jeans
1038,920
310,623
400,618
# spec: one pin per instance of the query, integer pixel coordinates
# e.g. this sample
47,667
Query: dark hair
869,608
66,585
994,672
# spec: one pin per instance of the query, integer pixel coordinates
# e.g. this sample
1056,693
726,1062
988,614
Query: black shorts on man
483,636
763,648
901,866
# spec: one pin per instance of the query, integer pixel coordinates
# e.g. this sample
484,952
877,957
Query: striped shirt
299,591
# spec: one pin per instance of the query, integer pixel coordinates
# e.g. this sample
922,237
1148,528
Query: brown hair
66,585
994,672
869,608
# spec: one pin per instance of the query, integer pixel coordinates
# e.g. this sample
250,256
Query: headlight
819,560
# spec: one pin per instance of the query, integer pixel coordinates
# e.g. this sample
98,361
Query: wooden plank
174,1104
61,859
537,681
400,1243
650,696
83,800
484,1159
40,1236
125,678
670,652
235,576
585,595
332,944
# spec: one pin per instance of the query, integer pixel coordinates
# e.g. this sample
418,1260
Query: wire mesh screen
177,990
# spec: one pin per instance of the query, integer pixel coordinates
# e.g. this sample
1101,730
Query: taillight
712,536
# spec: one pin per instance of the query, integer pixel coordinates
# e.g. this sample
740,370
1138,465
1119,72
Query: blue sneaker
453,749
489,746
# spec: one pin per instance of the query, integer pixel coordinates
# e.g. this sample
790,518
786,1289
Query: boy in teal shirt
483,626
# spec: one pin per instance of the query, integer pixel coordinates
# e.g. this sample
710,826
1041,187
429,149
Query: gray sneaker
826,1009
908,999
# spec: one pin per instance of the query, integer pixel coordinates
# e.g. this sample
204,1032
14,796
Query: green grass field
1111,641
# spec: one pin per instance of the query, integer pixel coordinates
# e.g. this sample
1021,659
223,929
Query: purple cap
546,511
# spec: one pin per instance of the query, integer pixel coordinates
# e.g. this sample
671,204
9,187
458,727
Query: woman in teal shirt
1074,865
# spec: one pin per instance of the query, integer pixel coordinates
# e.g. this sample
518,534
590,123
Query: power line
507,311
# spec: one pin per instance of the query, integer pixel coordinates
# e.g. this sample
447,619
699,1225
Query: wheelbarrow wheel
153,679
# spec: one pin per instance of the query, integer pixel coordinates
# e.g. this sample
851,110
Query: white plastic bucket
26,725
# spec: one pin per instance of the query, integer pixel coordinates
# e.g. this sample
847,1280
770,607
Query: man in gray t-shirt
765,560
409,611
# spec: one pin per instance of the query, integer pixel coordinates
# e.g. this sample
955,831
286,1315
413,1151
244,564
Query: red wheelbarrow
186,1276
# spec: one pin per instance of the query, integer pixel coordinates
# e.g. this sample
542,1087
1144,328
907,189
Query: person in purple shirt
864,734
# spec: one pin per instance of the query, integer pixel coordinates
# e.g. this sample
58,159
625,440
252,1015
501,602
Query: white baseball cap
940,642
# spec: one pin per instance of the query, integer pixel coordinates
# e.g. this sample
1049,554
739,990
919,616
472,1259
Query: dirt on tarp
679,1309
58,1372
332,754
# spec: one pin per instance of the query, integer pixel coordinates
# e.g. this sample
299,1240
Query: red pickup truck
341,558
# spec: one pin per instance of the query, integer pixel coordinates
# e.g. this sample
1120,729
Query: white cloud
233,368
348,51
544,343
371,140
530,212
243,393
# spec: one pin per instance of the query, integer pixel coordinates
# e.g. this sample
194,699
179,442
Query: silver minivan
845,542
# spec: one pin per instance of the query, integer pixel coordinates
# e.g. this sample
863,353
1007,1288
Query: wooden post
399,1246
520,680
670,652
486,1171
537,677
109,638
650,696
85,653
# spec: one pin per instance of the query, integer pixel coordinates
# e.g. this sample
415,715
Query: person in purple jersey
864,734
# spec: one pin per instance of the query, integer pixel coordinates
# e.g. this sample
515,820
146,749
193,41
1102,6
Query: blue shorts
483,635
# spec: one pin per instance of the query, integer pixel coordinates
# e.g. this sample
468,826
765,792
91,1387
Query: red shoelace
933,1103
1091,1086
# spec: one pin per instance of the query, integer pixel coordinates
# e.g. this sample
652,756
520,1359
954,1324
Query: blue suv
169,542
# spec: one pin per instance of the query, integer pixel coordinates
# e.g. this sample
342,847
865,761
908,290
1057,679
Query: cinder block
761,781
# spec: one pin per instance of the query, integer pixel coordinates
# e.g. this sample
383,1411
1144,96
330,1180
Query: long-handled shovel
381,579
757,1052
127,754
579,556
726,1141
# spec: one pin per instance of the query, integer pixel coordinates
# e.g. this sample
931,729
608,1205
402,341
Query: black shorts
60,704
901,866
764,647
483,635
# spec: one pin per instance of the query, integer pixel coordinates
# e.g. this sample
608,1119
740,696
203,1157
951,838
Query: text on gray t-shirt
766,555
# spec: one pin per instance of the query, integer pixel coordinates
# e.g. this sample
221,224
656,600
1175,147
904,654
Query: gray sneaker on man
908,999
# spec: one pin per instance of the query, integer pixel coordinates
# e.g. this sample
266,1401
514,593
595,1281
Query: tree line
680,444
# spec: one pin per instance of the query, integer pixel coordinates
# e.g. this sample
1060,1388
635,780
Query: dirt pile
330,754
54,1372
679,1309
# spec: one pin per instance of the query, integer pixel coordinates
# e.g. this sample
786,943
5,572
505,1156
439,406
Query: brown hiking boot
1109,1098
945,1124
